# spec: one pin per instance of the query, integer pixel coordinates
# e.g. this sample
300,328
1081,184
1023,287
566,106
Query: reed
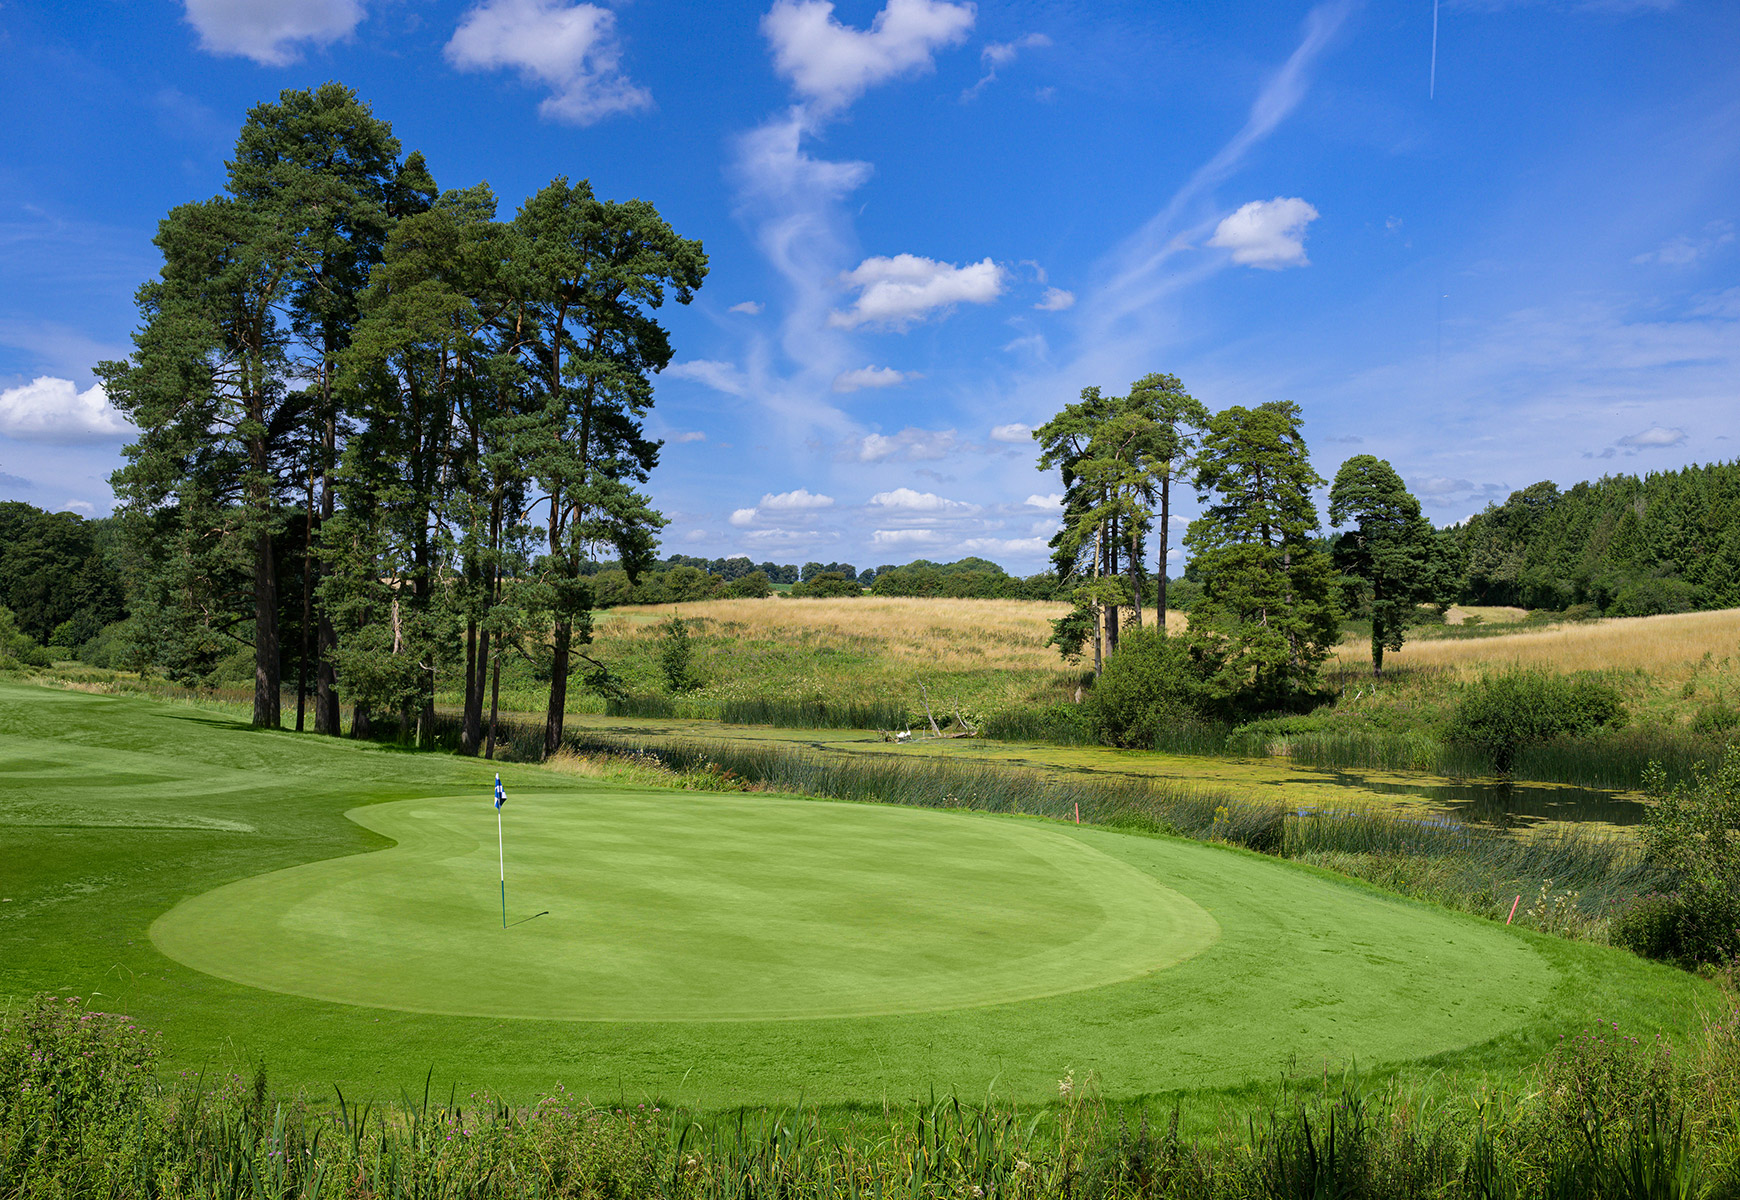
816,713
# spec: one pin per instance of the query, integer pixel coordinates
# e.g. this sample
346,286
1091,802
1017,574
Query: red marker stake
1513,905
1078,814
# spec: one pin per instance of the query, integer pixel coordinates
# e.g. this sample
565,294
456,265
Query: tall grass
816,713
83,1115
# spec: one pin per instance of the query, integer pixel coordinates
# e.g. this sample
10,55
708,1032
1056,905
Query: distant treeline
684,577
1621,546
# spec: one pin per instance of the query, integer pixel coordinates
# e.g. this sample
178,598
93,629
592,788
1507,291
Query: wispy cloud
1001,54
871,377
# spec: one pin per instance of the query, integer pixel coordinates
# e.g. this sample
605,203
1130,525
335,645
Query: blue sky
931,224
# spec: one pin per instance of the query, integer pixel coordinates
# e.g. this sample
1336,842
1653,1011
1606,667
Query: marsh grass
84,1115
816,713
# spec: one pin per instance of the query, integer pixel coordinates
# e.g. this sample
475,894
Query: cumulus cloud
1014,432
269,31
83,507
1054,500
830,64
1653,437
895,292
742,517
1001,54
749,308
570,48
1056,299
720,376
917,444
53,410
871,377
905,537
1266,233
920,502
797,501
992,545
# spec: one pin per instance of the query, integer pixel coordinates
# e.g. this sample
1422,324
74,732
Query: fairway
630,906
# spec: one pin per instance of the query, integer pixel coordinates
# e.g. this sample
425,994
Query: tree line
381,431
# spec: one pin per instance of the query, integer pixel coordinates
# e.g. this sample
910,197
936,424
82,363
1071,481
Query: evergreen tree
1390,549
1267,583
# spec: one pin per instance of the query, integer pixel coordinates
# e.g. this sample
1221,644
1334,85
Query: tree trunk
1165,550
1112,608
327,717
362,726
266,698
1135,566
1099,613
494,702
307,605
475,665
558,713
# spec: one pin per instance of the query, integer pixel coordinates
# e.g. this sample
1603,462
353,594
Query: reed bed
83,1115
816,714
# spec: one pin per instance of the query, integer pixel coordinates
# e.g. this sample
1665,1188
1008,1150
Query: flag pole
501,851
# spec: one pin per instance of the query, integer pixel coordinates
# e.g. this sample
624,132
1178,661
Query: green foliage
58,574
1693,833
677,657
1390,554
753,586
1626,545
1154,682
786,713
1267,583
16,646
824,584
1503,713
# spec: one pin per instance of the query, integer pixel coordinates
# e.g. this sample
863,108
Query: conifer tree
1389,549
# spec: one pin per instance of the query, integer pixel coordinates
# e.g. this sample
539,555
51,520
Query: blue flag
500,796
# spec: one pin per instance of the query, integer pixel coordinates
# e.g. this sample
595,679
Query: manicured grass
114,810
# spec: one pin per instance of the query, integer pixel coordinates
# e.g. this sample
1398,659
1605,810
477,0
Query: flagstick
502,853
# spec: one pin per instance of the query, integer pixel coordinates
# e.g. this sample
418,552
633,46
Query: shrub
1501,714
16,646
1693,833
753,586
1153,682
676,657
1715,718
824,585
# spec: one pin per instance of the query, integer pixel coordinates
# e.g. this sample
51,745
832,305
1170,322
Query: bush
753,586
676,657
1715,718
1501,714
1693,833
1153,682
826,584
16,647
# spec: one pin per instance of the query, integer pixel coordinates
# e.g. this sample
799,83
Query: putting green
635,906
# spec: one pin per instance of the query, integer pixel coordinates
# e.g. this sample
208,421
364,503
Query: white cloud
1054,500
988,545
720,376
786,536
750,308
1056,299
920,444
1684,251
831,65
83,507
267,31
570,48
799,500
1652,437
54,410
1266,233
920,502
905,537
742,517
871,377
689,435
895,292
1014,432
1001,54
1442,485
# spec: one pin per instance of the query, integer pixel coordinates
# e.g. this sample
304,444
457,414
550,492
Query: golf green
330,909
636,906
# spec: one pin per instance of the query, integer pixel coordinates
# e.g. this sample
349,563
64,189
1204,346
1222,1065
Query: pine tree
1390,549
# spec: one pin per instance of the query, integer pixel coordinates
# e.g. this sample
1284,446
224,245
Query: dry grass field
1671,647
